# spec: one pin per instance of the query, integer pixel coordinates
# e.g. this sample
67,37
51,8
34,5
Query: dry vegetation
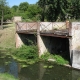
7,36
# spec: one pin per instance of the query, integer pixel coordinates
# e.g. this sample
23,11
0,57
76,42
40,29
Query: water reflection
13,68
2,69
75,74
39,71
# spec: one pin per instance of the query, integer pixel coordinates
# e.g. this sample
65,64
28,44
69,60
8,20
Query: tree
15,10
58,10
42,4
3,3
75,9
33,12
7,13
23,6
54,9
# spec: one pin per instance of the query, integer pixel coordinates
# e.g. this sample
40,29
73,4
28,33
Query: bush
26,52
45,56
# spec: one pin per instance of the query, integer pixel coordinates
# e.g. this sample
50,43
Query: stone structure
17,19
55,37
75,45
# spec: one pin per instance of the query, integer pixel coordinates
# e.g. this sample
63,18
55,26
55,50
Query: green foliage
59,10
44,10
7,14
23,6
33,12
78,78
3,3
28,12
45,56
25,53
14,8
60,60
6,76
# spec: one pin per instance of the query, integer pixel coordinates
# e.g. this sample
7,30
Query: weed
6,76
45,56
59,59
26,53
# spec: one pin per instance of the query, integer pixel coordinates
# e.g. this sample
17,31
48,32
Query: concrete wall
19,41
26,26
46,26
17,19
75,45
21,26
59,25
41,46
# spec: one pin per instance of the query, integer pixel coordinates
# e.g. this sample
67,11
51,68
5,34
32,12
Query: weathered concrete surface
76,59
46,26
19,42
41,46
26,26
75,45
17,19
59,25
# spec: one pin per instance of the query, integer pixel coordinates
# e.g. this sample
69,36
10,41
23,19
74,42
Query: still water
38,71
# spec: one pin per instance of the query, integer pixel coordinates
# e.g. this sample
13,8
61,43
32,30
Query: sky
17,2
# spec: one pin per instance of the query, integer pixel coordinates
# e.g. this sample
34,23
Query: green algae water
38,71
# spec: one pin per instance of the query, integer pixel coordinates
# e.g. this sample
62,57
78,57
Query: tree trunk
1,27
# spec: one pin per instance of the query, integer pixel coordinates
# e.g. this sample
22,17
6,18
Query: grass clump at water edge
57,58
6,76
26,53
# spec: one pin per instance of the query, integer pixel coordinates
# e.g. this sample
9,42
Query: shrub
26,52
45,56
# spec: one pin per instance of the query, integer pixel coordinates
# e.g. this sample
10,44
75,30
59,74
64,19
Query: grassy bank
7,36
56,58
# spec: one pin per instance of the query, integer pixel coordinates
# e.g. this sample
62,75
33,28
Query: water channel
38,71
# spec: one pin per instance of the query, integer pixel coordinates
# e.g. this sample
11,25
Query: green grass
58,59
6,76
28,54
7,36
